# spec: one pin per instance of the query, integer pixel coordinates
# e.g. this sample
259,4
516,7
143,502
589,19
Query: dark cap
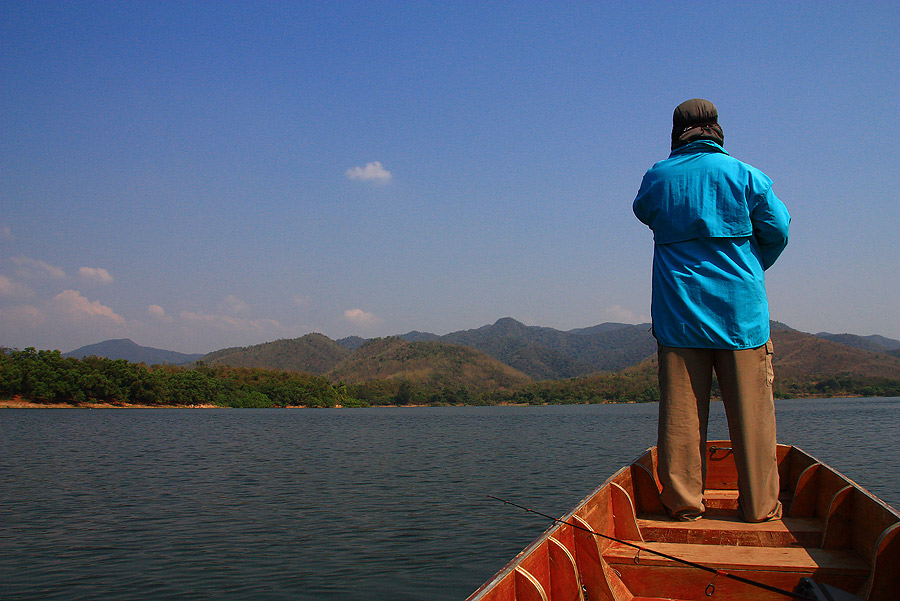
696,119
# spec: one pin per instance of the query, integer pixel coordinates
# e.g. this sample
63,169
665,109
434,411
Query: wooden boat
833,532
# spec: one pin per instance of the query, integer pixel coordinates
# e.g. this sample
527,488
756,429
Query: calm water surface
333,504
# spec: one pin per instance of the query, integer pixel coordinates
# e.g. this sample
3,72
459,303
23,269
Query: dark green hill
878,344
800,356
313,353
351,342
550,354
428,364
128,350
506,354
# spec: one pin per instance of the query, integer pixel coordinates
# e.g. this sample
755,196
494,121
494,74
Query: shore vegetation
48,378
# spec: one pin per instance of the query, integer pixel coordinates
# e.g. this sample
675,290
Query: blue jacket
717,226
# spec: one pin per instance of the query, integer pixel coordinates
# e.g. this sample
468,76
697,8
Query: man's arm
770,227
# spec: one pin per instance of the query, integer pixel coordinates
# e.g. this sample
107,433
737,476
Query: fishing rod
710,588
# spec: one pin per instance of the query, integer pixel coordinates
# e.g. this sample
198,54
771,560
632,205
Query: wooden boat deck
832,530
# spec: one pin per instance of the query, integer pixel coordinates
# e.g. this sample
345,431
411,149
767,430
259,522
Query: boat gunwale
564,520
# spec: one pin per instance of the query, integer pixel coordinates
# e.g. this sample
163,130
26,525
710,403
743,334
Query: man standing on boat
717,226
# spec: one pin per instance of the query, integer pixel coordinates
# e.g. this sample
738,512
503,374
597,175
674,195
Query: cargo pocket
770,371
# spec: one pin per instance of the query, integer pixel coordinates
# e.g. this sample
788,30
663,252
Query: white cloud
95,274
6,233
373,172
232,323
13,289
158,313
22,316
362,318
234,305
618,313
27,267
300,300
77,307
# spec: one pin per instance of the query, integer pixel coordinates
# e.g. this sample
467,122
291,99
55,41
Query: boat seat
742,558
649,575
725,501
730,530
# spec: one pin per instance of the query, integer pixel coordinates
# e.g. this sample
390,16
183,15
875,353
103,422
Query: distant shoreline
19,403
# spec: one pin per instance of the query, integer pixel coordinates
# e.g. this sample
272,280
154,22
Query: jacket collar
698,146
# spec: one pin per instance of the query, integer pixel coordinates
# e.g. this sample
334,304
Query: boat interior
832,531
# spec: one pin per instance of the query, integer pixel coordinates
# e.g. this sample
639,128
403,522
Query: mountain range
124,348
508,353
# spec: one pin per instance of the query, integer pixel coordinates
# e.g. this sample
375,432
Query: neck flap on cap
696,119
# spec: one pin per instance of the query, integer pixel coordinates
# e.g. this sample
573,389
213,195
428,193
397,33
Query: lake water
333,504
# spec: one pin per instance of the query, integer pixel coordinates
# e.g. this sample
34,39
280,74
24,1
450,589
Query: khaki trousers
745,381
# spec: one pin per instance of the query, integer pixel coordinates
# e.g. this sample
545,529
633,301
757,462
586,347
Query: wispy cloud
27,316
27,267
619,313
95,274
159,314
13,289
6,233
373,172
362,318
230,322
234,306
77,307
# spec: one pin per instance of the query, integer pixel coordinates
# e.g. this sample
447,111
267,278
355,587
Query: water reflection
332,504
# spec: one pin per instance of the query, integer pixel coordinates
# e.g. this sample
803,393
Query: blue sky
201,175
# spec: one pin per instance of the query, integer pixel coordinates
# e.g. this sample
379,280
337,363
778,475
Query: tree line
45,376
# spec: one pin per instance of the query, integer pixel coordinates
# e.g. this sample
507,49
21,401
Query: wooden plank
590,563
503,590
806,493
838,532
626,527
646,489
720,502
721,473
527,587
796,462
537,564
871,517
729,531
885,580
598,513
775,559
670,582
830,482
783,455
564,583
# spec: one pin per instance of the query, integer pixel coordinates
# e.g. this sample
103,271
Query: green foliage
838,385
48,377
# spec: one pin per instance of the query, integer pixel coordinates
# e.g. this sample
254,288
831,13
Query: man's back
717,226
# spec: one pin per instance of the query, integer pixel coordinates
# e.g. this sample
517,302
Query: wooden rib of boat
833,531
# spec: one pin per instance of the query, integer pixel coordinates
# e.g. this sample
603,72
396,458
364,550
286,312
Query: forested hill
433,365
316,371
540,353
547,353
800,356
124,348
877,344
313,353
550,354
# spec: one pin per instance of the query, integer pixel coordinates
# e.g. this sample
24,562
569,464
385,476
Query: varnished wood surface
740,558
833,530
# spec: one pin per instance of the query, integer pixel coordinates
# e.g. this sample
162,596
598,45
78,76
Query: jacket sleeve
641,203
770,226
